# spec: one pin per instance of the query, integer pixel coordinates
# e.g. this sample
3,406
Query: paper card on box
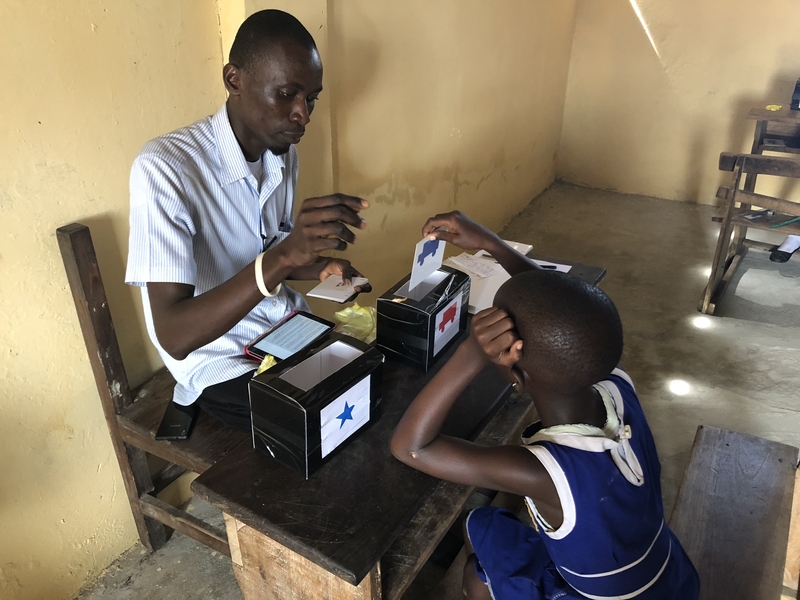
344,416
428,256
334,288
321,365
446,324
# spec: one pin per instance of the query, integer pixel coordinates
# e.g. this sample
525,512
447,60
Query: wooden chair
133,415
733,244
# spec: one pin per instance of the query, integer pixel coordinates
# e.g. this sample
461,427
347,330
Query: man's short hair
570,329
261,30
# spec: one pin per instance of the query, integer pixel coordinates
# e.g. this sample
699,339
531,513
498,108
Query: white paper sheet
476,268
428,255
446,324
344,416
334,288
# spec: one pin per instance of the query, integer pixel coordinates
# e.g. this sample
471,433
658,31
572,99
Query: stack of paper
487,275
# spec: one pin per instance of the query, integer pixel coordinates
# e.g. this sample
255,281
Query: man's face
271,102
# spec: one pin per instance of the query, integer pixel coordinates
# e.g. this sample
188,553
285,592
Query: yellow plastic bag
357,321
268,362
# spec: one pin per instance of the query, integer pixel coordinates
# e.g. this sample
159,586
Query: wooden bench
733,511
133,415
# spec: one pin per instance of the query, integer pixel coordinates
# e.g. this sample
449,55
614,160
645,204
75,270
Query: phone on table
177,422
289,336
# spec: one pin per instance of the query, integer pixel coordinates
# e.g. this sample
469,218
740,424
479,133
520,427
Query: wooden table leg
267,570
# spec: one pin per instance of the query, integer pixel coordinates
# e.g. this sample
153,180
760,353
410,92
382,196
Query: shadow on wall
109,237
421,125
368,53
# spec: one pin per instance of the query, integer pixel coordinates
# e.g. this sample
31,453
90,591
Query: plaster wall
427,107
657,90
430,107
87,83
439,106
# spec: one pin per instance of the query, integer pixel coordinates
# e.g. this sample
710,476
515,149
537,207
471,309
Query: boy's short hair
570,329
261,30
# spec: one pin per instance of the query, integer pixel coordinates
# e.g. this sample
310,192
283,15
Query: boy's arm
469,235
418,443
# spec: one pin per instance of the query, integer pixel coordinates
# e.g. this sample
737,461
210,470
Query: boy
589,470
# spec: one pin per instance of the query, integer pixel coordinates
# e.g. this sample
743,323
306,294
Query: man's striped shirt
197,217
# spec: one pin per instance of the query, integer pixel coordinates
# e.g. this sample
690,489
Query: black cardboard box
306,407
416,327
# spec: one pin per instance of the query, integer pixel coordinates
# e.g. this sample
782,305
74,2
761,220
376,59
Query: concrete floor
736,370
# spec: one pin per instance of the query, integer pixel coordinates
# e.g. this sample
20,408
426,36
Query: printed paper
428,256
344,416
446,323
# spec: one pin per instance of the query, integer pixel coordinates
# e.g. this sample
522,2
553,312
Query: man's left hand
340,266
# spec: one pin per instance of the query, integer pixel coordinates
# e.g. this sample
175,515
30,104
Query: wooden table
364,523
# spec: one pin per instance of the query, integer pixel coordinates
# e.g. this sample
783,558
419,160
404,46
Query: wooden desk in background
364,524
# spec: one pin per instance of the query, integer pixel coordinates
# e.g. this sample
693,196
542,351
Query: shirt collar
233,164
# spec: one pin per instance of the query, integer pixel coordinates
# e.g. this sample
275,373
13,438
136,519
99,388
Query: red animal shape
448,317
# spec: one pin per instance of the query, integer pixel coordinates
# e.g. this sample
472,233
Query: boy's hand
495,337
461,231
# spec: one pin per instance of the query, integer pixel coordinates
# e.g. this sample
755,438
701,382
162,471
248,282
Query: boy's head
570,330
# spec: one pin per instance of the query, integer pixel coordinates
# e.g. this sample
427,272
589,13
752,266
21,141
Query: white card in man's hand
334,288
427,258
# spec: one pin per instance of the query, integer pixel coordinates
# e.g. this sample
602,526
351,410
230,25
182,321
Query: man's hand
340,266
461,231
322,225
495,337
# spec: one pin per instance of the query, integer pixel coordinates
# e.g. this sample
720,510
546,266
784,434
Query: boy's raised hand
461,231
495,337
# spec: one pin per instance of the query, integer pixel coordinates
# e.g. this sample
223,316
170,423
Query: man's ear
232,78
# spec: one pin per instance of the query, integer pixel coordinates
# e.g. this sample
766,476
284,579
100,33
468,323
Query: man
212,233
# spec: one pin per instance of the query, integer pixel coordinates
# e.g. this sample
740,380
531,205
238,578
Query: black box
416,327
301,406
795,104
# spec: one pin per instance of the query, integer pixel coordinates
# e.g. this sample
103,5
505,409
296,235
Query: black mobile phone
176,424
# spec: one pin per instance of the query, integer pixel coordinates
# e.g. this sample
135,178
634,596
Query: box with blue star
416,325
306,407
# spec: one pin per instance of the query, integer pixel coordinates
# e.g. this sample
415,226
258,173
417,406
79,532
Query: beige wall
431,107
439,106
86,84
427,107
653,120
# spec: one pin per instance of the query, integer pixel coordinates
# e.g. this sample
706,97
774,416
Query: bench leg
267,570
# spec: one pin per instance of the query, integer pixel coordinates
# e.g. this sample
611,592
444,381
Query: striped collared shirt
197,217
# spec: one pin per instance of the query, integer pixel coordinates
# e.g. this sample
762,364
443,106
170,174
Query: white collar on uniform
619,445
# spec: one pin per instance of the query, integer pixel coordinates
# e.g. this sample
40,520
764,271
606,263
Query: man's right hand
322,225
185,322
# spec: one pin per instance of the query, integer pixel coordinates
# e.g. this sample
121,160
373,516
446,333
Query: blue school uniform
614,542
